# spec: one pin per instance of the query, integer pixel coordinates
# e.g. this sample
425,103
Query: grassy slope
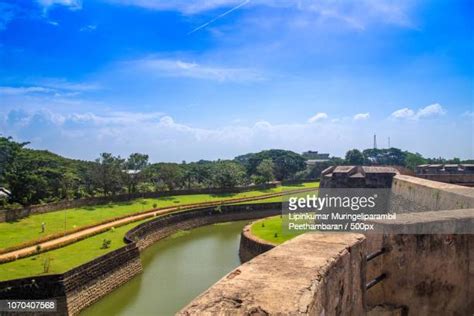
65,258
271,225
29,228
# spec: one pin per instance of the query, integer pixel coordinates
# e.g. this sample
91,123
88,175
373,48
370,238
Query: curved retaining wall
148,233
80,287
252,246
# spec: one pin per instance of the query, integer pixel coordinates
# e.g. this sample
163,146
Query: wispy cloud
468,114
88,28
318,117
354,14
431,110
24,90
56,87
186,69
183,6
219,17
361,116
71,4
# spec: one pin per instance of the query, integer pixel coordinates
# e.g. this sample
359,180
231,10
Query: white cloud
431,110
71,4
88,28
63,84
85,134
403,113
468,114
179,68
318,117
362,116
354,14
24,90
57,87
428,111
183,6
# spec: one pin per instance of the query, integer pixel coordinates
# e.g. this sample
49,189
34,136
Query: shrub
106,243
38,248
276,235
155,205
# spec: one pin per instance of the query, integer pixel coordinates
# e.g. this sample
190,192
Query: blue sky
186,79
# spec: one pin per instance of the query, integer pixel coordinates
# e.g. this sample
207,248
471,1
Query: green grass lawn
29,229
267,228
65,258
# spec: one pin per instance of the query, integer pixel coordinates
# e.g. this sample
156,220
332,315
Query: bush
106,243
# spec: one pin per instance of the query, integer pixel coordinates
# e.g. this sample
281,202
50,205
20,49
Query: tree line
39,176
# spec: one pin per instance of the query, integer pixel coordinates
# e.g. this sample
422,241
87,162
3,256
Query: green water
176,270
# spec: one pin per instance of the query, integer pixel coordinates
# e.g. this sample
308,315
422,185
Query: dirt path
91,231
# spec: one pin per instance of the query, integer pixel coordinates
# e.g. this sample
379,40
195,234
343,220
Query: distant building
357,177
461,174
4,193
131,172
314,157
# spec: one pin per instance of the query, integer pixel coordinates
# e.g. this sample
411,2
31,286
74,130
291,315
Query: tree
228,174
170,174
354,157
265,171
412,160
134,173
107,173
286,163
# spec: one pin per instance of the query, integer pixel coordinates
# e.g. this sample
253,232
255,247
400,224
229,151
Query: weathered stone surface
387,310
312,274
430,274
429,195
252,246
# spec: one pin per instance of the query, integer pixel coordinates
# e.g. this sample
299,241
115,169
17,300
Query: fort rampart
417,272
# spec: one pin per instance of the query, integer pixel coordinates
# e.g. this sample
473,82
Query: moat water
176,270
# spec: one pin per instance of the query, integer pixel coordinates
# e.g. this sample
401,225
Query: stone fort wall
424,273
